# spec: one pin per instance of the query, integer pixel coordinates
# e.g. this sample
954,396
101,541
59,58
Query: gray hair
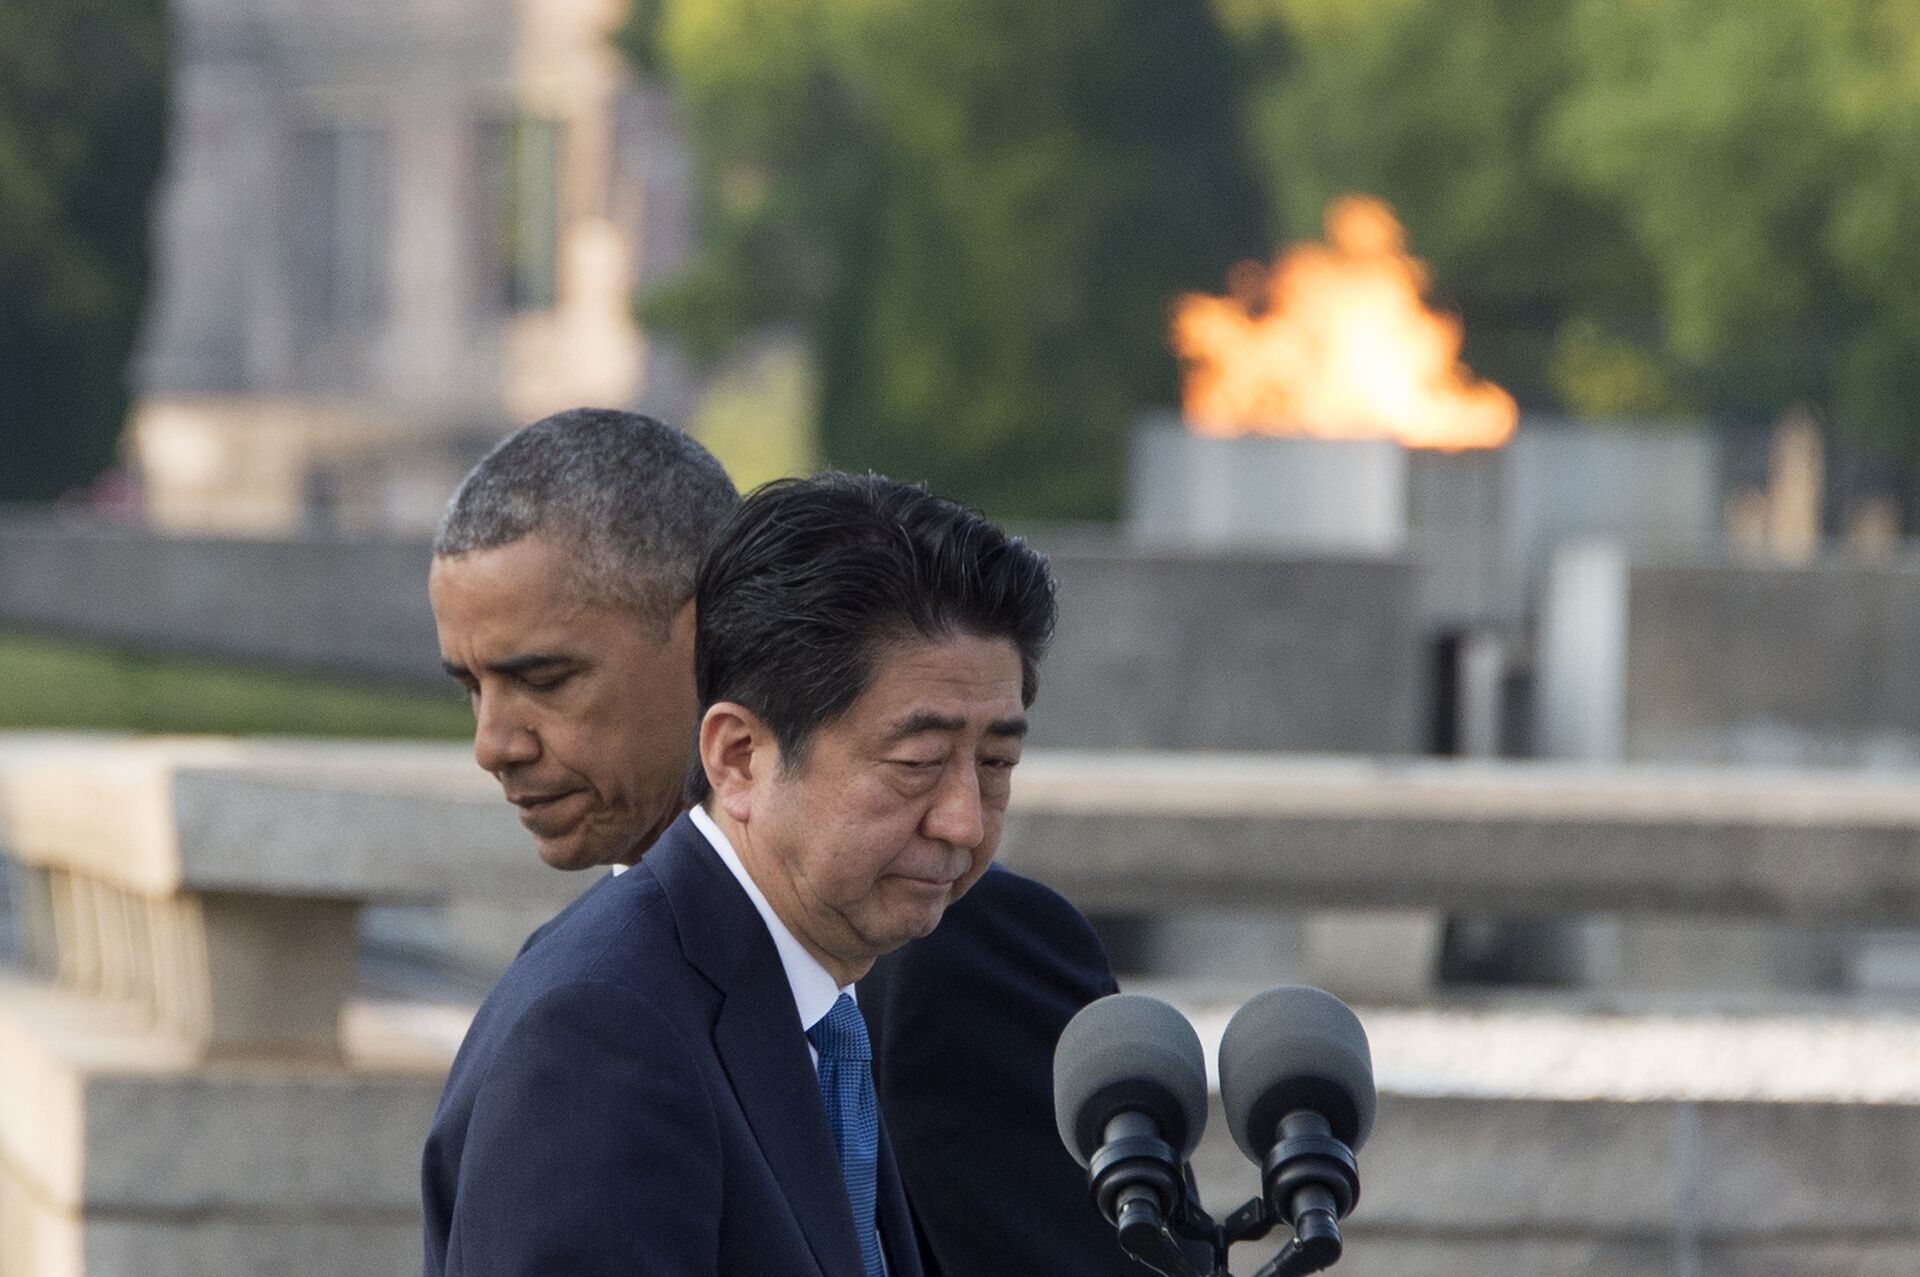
636,502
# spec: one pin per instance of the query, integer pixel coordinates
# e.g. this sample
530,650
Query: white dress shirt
814,990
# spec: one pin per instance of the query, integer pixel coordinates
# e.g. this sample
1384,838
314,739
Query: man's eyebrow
524,664
531,661
1010,728
927,720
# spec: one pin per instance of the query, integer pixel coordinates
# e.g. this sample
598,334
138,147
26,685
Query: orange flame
1335,342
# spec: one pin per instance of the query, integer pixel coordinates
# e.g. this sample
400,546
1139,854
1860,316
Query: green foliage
1442,108
1600,375
638,36
1637,206
1765,157
789,163
82,122
47,684
979,212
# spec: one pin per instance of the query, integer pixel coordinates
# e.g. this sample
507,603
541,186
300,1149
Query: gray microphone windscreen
1295,1048
1129,1052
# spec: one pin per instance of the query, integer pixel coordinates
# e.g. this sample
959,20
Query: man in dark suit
675,1078
636,1096
564,573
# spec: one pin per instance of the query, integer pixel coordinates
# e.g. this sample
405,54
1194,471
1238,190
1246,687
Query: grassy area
56,684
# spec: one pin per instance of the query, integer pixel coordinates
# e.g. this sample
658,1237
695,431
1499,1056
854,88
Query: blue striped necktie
846,1083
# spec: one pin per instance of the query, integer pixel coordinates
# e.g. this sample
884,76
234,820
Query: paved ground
1517,1049
1525,1049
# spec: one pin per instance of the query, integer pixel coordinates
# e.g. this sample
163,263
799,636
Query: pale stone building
389,233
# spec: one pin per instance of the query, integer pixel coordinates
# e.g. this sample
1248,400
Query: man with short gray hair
635,501
562,585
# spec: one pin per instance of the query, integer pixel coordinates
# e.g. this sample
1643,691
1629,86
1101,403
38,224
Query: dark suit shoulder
595,938
588,1051
539,933
597,931
964,1022
1002,888
597,1015
623,1028
1021,936
596,1103
1034,903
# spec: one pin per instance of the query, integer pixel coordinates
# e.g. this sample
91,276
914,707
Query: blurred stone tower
389,233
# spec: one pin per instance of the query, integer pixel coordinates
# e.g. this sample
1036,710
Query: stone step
124,1153
1541,1141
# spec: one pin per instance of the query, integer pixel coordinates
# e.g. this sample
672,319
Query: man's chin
573,854
591,844
920,919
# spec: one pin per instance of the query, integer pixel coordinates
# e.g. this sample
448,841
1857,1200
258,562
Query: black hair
811,578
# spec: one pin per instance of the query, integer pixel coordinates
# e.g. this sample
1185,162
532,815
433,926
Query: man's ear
737,750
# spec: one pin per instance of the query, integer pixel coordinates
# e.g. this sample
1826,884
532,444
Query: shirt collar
814,990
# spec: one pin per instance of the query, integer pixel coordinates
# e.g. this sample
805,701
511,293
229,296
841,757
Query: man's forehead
533,565
492,613
959,684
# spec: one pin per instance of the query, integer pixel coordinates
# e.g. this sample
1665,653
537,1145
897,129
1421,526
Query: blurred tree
1768,157
82,125
980,212
1444,108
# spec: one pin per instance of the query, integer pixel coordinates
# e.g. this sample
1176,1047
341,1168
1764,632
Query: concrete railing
1152,831
339,823
199,1091
219,884
193,1091
178,872
1376,853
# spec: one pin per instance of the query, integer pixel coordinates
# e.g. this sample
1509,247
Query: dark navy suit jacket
964,1023
636,1096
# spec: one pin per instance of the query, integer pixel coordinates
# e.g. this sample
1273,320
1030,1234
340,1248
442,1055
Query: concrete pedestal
1483,523
225,972
1321,496
122,1154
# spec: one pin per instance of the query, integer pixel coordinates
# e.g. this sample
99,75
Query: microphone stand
1307,1168
1314,1245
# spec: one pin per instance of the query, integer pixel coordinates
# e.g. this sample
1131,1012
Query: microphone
1296,1082
1130,1098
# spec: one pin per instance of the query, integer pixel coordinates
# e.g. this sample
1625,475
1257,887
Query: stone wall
1164,650
1462,1186
1715,661
357,607
1155,650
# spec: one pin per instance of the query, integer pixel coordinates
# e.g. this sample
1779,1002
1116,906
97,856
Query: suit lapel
897,1234
760,1042
773,1079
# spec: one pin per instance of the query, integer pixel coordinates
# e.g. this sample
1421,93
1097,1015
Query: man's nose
958,815
500,740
